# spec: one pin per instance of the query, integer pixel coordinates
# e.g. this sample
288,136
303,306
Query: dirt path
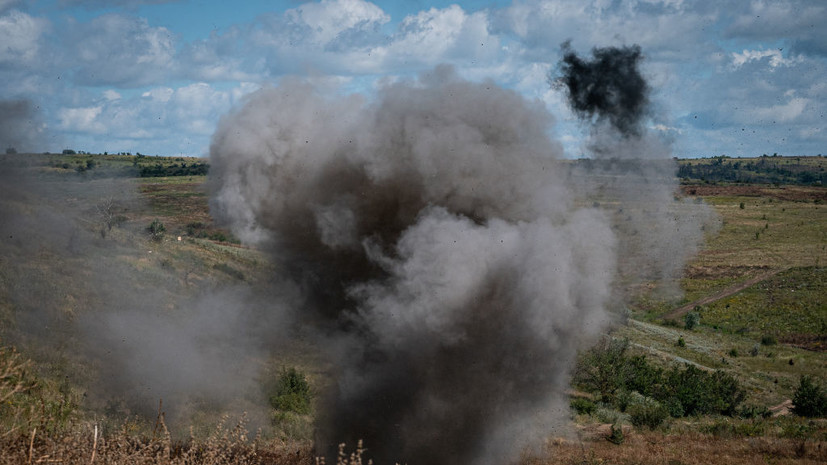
683,310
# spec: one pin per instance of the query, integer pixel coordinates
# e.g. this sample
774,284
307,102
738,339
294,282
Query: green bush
583,406
754,411
768,340
674,407
617,436
156,230
603,368
648,412
700,392
292,392
691,320
809,400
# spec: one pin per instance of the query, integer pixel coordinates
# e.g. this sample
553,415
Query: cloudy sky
731,77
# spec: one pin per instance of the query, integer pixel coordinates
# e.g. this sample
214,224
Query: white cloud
328,19
775,56
781,113
21,35
81,120
160,94
110,94
120,50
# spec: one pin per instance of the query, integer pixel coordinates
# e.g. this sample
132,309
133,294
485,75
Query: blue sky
733,77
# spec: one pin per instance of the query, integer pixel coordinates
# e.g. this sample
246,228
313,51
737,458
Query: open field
765,334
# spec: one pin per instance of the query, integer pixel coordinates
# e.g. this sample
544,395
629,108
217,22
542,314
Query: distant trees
764,170
175,169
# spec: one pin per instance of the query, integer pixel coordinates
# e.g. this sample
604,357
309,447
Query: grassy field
766,335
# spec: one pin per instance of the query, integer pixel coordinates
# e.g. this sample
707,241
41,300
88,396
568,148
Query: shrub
602,369
616,437
691,320
674,407
768,340
700,392
733,352
583,406
754,411
809,400
156,230
292,392
648,412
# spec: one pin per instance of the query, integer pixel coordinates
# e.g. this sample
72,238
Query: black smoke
607,87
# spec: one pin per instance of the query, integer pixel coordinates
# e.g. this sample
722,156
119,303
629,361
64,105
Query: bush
602,369
583,406
809,400
156,230
768,340
648,412
700,392
617,435
691,320
292,392
674,407
754,411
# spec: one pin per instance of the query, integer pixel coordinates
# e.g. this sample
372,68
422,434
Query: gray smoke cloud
630,168
127,326
453,260
20,125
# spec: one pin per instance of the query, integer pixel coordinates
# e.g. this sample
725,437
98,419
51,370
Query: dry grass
88,445
656,448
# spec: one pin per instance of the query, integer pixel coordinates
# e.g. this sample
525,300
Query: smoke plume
20,126
444,248
630,169
609,87
95,305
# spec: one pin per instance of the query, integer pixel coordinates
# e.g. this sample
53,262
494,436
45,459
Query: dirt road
684,309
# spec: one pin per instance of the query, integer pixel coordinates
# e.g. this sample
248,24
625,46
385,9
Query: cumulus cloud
22,35
120,50
775,58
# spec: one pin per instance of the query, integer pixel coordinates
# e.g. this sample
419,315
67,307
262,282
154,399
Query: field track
684,309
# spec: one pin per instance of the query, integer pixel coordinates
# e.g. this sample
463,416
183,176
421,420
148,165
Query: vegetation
726,368
606,370
762,170
292,392
810,399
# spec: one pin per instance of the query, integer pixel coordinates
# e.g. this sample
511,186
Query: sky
728,77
